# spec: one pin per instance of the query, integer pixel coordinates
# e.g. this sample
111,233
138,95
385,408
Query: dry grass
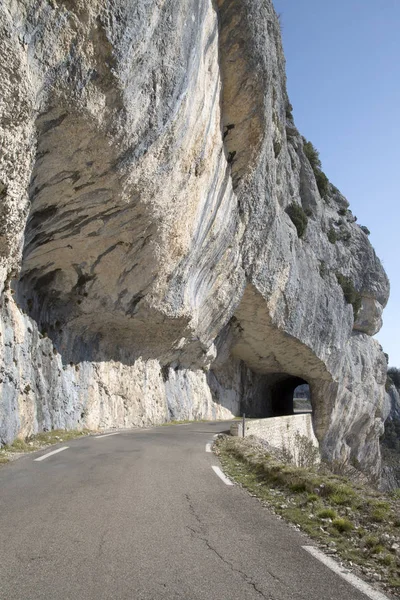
185,422
351,520
37,442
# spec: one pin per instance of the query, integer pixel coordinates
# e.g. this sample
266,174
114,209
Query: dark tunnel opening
284,400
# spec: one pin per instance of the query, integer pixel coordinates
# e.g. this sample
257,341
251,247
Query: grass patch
312,498
326,513
342,525
184,422
39,441
330,508
344,496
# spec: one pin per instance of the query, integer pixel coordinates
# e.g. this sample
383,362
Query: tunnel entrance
288,395
302,399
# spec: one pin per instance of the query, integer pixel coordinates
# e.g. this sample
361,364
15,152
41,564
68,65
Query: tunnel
282,393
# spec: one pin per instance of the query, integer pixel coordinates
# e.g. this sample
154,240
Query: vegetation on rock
36,442
352,296
365,229
349,518
313,158
394,376
332,236
298,217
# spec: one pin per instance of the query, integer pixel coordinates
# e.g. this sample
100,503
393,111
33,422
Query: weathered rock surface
391,439
148,265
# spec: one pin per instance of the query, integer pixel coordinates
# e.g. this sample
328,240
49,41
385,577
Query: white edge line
208,447
355,581
100,437
51,453
220,474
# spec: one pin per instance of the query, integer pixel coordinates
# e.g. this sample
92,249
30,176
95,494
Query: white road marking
51,453
208,447
100,437
356,582
220,474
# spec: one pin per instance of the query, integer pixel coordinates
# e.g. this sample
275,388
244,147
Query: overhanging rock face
148,264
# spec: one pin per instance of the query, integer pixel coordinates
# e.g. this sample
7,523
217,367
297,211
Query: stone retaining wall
286,433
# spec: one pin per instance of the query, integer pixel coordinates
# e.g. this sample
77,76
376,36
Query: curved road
142,516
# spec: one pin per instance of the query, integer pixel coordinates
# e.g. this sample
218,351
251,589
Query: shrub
378,515
323,270
322,183
365,229
307,454
391,437
394,375
351,295
298,217
343,525
312,498
277,148
332,236
313,158
371,542
326,513
388,383
342,212
312,154
387,560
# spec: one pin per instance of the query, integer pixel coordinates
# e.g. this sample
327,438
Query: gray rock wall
149,159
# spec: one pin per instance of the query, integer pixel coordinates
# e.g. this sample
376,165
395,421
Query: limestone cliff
390,442
149,265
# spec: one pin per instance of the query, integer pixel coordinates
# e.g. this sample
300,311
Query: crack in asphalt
102,541
192,510
201,536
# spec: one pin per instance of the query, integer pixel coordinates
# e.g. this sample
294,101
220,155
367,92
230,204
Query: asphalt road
142,516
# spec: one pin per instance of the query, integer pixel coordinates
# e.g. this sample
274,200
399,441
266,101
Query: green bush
289,111
326,513
313,158
394,375
322,183
343,525
312,154
332,236
352,296
391,437
365,229
323,269
298,217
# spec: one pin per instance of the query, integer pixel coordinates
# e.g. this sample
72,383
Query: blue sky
343,68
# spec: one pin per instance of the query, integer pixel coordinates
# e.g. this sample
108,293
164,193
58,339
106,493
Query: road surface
143,516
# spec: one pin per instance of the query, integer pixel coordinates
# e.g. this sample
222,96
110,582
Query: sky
343,69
